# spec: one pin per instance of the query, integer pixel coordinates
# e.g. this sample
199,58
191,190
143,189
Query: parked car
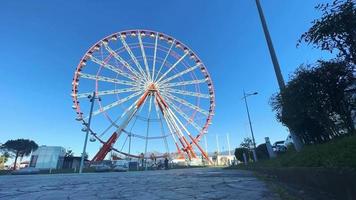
279,146
120,165
288,141
102,168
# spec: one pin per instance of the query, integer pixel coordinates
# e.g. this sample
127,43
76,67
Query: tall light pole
92,100
249,121
217,144
296,141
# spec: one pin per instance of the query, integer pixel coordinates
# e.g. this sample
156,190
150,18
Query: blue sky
42,42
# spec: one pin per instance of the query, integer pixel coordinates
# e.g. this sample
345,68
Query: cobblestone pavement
204,183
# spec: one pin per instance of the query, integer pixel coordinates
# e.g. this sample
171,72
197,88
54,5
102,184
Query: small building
48,157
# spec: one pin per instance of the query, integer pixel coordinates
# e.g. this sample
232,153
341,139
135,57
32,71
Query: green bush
333,154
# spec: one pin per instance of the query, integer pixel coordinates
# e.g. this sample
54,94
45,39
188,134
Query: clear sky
42,42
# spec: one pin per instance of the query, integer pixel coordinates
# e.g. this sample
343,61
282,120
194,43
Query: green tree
261,152
335,30
20,148
239,153
247,143
318,102
245,147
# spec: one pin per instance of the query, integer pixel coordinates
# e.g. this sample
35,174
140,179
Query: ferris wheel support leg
106,148
190,148
201,150
190,136
181,156
163,107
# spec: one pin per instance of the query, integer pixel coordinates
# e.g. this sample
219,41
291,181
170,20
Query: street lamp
87,130
296,140
249,120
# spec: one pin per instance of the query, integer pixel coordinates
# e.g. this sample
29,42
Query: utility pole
296,141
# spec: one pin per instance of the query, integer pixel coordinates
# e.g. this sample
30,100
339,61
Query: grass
322,171
281,191
338,153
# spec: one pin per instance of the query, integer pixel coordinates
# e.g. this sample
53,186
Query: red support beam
106,148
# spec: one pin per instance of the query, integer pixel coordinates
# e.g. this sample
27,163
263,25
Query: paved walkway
208,183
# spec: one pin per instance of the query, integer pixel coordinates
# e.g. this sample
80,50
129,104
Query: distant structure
48,157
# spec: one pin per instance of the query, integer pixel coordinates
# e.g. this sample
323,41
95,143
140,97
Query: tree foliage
247,143
335,30
239,153
245,147
318,102
20,148
261,152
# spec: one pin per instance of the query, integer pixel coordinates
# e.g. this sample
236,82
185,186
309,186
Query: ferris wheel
142,92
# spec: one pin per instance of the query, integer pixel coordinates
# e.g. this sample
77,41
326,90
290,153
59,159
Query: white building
48,157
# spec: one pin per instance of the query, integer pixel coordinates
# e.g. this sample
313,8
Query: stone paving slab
203,183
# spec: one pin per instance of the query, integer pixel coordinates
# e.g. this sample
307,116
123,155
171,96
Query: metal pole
228,146
228,143
276,66
253,136
217,144
148,125
296,141
92,100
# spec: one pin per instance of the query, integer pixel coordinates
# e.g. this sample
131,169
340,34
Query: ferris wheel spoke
165,58
107,79
154,57
133,57
187,93
181,83
186,103
193,141
159,104
173,122
116,103
144,56
161,125
112,68
180,74
175,118
121,60
185,116
108,92
173,66
178,125
113,123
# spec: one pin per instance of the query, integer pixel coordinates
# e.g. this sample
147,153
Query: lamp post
249,120
296,140
92,100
